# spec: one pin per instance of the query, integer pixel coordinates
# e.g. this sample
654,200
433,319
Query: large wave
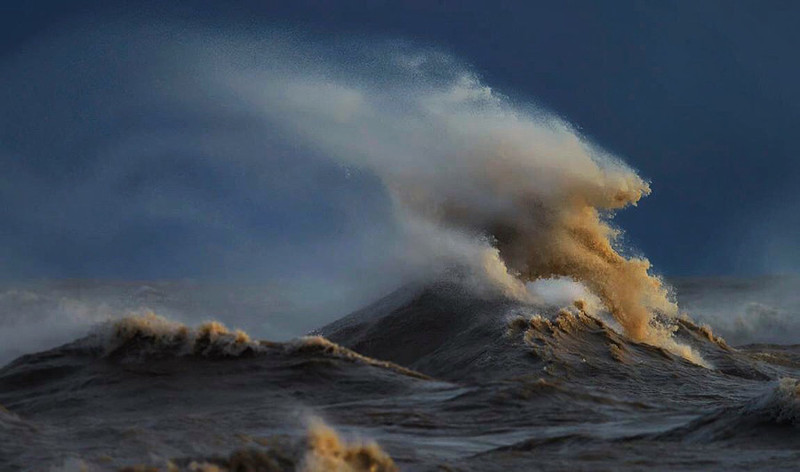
507,190
476,179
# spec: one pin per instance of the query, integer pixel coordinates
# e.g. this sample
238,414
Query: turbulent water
431,377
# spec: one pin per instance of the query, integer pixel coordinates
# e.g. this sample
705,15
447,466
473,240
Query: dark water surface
440,379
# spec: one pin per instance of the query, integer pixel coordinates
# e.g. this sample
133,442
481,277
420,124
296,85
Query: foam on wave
153,335
548,335
146,336
323,450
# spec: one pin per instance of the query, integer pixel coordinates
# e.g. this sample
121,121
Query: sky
101,179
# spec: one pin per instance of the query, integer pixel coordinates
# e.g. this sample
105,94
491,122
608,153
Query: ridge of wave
448,332
147,337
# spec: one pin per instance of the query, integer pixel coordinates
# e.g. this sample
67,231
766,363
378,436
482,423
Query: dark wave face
430,376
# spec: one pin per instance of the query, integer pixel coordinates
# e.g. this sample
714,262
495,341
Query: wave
323,450
576,342
150,345
469,176
446,331
514,378
327,452
515,193
744,310
443,331
150,335
781,405
538,331
147,363
12,422
19,437
772,417
147,336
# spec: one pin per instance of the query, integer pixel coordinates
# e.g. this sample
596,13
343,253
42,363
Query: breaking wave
495,194
506,372
151,334
539,331
146,336
328,452
323,450
511,191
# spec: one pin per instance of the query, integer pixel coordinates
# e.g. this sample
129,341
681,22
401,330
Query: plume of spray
510,191
478,179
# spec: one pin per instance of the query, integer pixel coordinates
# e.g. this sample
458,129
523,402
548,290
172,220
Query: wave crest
566,333
327,452
148,334
323,450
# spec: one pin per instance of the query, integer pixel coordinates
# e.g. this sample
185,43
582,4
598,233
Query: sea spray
513,191
506,189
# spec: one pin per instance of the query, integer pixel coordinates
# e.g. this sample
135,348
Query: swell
448,332
148,336
770,418
142,342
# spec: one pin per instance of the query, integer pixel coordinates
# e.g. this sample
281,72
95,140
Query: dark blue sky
701,97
